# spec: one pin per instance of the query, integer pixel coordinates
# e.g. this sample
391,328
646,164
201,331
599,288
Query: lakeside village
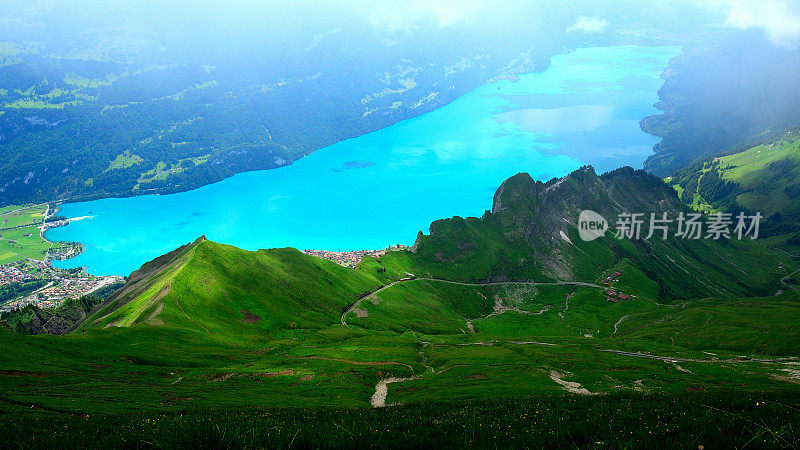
54,285
353,258
60,284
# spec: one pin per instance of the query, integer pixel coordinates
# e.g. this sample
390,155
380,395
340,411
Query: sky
778,19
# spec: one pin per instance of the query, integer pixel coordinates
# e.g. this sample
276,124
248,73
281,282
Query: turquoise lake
380,189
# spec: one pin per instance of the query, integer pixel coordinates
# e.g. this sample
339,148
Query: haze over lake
380,189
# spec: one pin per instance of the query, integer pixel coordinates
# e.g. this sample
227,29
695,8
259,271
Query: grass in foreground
728,420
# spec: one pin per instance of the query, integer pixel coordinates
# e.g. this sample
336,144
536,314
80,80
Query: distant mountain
120,98
89,127
738,94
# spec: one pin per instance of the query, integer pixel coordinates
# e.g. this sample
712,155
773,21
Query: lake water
380,189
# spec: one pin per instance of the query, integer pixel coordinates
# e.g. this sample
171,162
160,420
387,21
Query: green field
15,223
124,161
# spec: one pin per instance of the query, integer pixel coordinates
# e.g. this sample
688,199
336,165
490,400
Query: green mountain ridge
532,233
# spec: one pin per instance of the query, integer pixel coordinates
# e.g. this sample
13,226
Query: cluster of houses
352,258
612,295
347,259
72,288
615,297
63,285
11,274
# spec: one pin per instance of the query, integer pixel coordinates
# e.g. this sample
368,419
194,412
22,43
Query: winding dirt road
460,283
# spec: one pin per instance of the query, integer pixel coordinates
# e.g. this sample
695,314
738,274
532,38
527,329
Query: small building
624,297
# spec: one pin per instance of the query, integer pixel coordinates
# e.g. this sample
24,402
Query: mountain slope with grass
764,178
500,315
531,234
225,291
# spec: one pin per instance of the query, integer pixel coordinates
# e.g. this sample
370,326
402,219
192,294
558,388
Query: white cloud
588,25
394,16
778,19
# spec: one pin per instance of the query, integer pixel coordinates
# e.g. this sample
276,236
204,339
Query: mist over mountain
122,98
724,98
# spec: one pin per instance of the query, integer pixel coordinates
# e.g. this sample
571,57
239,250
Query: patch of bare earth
360,312
378,399
308,377
250,317
570,386
113,324
153,318
285,372
792,374
222,377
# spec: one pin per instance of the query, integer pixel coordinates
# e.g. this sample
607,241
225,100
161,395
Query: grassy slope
213,328
766,178
198,351
498,246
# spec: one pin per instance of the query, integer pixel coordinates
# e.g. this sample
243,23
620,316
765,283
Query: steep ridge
143,289
531,234
225,290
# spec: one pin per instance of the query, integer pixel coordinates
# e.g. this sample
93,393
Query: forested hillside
90,126
724,98
763,179
118,101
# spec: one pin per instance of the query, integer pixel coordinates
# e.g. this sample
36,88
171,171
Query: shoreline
274,198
